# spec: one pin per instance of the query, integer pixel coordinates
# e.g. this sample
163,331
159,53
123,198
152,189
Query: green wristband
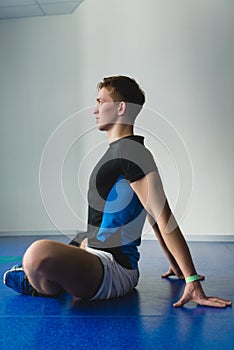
191,278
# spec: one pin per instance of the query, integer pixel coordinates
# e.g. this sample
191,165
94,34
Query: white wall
38,70
181,53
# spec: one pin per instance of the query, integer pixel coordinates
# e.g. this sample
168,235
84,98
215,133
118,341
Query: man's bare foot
83,244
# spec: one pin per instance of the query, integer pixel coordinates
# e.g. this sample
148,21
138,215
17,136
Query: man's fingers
220,301
167,274
194,293
201,277
210,301
170,272
178,304
215,302
181,302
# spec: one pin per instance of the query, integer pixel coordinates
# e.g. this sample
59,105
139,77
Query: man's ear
122,108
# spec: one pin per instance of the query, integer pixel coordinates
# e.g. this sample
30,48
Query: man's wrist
192,278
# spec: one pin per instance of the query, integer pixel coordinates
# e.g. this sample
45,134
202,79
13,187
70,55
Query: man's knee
39,263
38,256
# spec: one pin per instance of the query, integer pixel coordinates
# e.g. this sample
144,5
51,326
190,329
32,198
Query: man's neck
118,132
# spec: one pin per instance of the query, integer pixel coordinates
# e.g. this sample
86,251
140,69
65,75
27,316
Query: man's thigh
75,270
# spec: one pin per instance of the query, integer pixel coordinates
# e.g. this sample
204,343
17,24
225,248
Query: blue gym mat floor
144,319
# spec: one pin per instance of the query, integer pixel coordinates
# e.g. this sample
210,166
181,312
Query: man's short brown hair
123,88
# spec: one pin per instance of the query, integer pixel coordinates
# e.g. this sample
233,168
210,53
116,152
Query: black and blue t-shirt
115,214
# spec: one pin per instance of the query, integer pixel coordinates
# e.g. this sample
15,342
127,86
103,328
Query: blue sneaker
16,279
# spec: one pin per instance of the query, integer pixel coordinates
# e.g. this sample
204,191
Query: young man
124,187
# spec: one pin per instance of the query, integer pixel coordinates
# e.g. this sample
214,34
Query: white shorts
117,280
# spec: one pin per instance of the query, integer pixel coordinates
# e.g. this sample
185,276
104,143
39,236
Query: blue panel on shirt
122,206
123,215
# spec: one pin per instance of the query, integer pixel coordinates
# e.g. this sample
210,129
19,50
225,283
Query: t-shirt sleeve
138,165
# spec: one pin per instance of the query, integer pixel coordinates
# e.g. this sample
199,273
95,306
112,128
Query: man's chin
104,127
101,128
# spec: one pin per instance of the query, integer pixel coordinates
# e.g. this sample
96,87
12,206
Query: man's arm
150,191
174,269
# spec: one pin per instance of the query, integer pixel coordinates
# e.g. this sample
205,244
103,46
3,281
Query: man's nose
95,111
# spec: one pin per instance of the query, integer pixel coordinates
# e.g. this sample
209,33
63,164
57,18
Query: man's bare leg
52,266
